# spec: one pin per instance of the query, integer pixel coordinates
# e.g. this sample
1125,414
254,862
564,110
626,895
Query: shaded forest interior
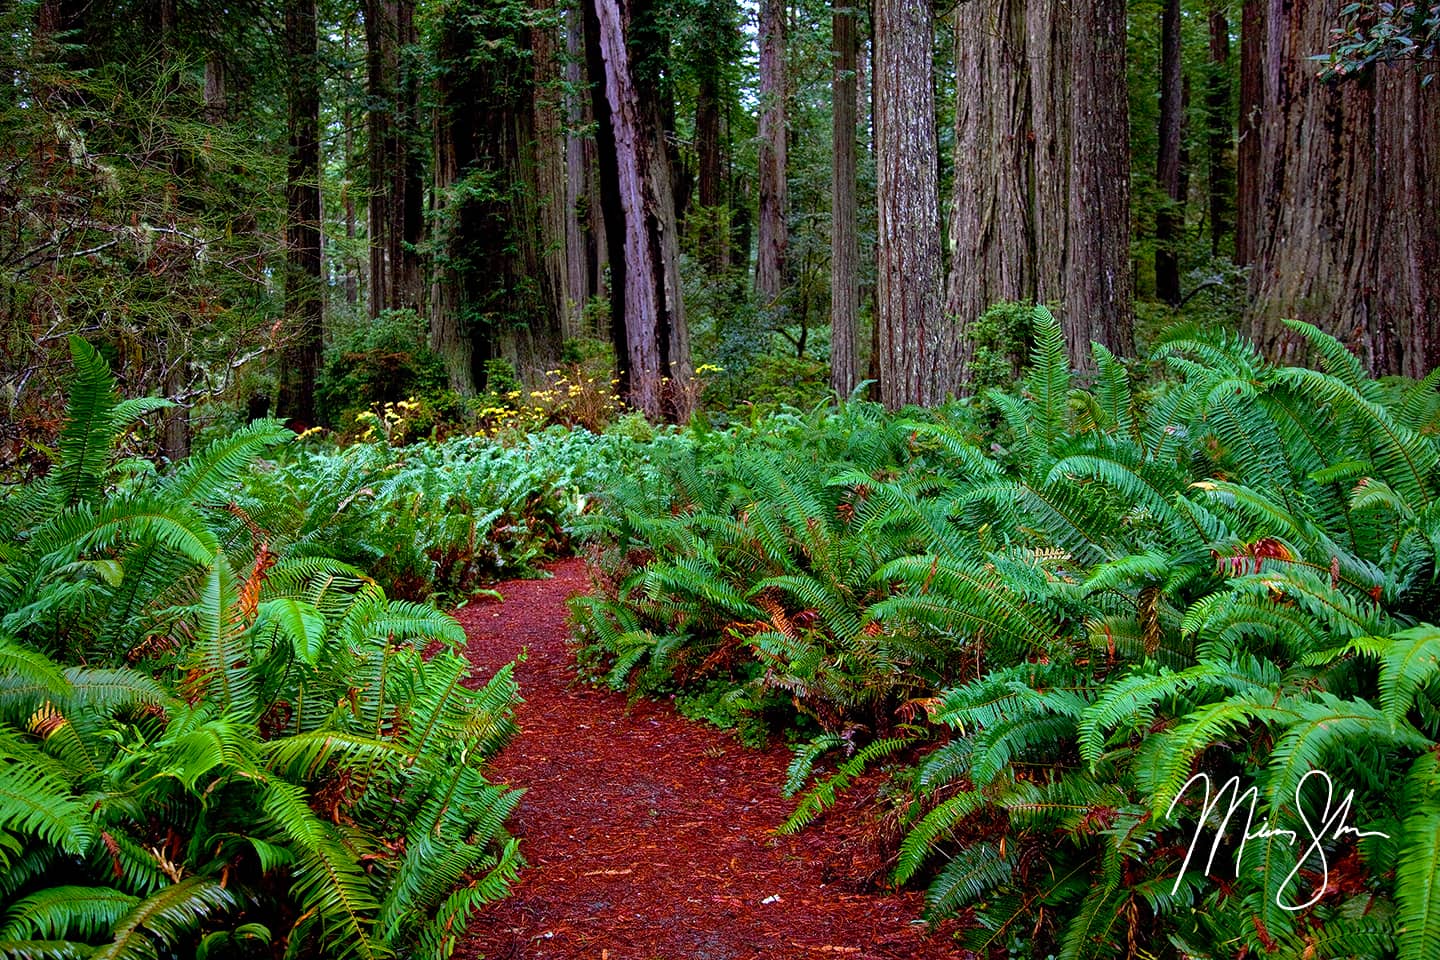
311,206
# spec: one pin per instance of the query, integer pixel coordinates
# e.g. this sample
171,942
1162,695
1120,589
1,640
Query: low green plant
1069,617
217,741
437,520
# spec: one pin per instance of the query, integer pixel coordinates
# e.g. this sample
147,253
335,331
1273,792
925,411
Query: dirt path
649,836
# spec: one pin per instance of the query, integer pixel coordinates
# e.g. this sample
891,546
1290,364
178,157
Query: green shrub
436,520
214,739
384,361
1233,574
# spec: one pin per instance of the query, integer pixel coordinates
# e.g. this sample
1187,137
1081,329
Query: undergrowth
1056,625
216,740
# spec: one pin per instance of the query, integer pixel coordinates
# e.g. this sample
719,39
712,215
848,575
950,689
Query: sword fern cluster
434,520
1229,572
214,740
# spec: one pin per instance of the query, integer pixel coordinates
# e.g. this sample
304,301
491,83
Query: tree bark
304,292
1348,234
913,367
844,241
1170,218
396,211
648,313
585,244
496,295
550,159
1220,160
992,242
1041,203
716,45
1253,24
773,133
1099,288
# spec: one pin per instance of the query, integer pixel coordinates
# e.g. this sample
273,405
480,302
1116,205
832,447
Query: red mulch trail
649,837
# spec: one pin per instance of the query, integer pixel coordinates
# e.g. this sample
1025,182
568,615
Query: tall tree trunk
450,336
1220,189
304,293
1253,24
1170,218
648,313
493,297
716,45
991,232
549,149
844,242
914,354
1041,204
585,245
1348,235
1099,288
396,213
774,135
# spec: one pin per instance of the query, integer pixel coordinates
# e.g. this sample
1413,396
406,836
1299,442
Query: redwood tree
304,290
914,346
396,209
844,242
647,311
1338,202
1042,199
496,285
1170,218
770,256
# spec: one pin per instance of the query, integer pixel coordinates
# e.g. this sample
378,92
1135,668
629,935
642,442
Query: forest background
1034,400
311,208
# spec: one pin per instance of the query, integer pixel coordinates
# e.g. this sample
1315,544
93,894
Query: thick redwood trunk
770,257
1041,204
1170,218
648,312
304,292
1247,147
396,211
495,294
844,242
992,243
549,157
1348,234
585,246
1220,159
914,364
1099,288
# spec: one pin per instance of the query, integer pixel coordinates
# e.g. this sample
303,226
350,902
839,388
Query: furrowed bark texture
496,288
1342,215
1041,204
1170,218
1099,288
772,240
992,242
585,247
304,294
844,243
914,346
648,313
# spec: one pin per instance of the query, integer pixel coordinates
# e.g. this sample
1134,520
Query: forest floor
651,837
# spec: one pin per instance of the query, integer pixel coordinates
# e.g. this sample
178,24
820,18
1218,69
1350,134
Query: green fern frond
823,795
89,434
66,913
166,916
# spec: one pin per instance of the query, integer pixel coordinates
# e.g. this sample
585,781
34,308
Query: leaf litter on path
650,837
